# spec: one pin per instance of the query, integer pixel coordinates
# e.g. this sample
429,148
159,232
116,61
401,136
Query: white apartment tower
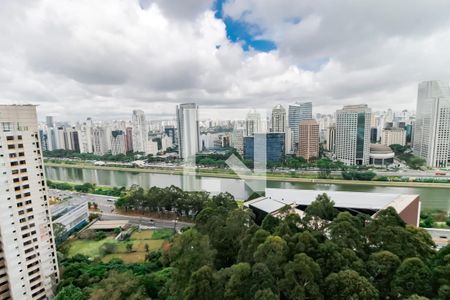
188,131
393,135
85,137
99,140
140,131
296,114
28,266
253,123
279,120
118,142
353,134
432,126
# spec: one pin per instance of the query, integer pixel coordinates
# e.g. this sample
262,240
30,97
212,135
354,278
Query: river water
435,198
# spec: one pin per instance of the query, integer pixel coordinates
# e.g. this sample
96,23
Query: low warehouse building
73,217
407,206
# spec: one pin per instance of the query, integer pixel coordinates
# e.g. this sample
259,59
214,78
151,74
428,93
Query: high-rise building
331,138
253,123
170,132
28,266
188,131
296,114
279,121
309,139
353,134
393,135
118,142
432,125
75,140
85,137
237,140
140,131
49,121
129,139
99,137
373,135
272,142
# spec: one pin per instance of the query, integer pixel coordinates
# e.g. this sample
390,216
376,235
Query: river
432,198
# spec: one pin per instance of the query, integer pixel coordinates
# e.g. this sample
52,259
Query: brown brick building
308,139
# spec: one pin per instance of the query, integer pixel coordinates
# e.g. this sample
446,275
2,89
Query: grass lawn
138,239
162,234
87,247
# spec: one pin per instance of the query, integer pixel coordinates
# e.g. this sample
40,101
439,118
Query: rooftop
368,203
108,224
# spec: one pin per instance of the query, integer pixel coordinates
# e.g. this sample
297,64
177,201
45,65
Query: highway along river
434,198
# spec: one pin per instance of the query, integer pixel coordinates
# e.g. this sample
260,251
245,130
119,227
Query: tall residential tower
188,131
28,266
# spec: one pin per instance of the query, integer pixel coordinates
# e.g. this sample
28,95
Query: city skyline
217,54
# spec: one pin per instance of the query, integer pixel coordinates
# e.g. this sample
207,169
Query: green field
153,238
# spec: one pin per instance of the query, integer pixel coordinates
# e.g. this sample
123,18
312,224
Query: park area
132,250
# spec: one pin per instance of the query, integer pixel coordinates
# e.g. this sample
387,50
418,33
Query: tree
320,211
146,247
70,292
189,252
381,267
239,282
107,248
201,285
322,207
345,231
119,285
412,277
349,284
265,294
325,165
262,279
60,232
273,252
301,279
129,247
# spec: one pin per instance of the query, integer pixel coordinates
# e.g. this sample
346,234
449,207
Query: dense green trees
86,188
164,200
61,153
324,255
404,153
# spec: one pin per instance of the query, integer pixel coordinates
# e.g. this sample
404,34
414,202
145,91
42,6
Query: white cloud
104,58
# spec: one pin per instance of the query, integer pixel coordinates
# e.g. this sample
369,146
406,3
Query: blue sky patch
239,31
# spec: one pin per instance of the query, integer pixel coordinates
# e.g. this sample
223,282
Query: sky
104,58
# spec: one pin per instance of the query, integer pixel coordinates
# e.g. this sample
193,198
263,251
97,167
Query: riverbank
270,177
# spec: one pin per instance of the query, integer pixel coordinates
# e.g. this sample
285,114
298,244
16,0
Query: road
107,209
440,236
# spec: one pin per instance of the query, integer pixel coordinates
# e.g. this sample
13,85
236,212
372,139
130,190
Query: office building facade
188,131
140,131
279,120
296,114
253,123
28,263
353,134
432,125
393,135
272,143
309,139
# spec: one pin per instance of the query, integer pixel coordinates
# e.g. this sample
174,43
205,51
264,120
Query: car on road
110,200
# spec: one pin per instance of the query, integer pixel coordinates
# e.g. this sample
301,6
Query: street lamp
175,225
